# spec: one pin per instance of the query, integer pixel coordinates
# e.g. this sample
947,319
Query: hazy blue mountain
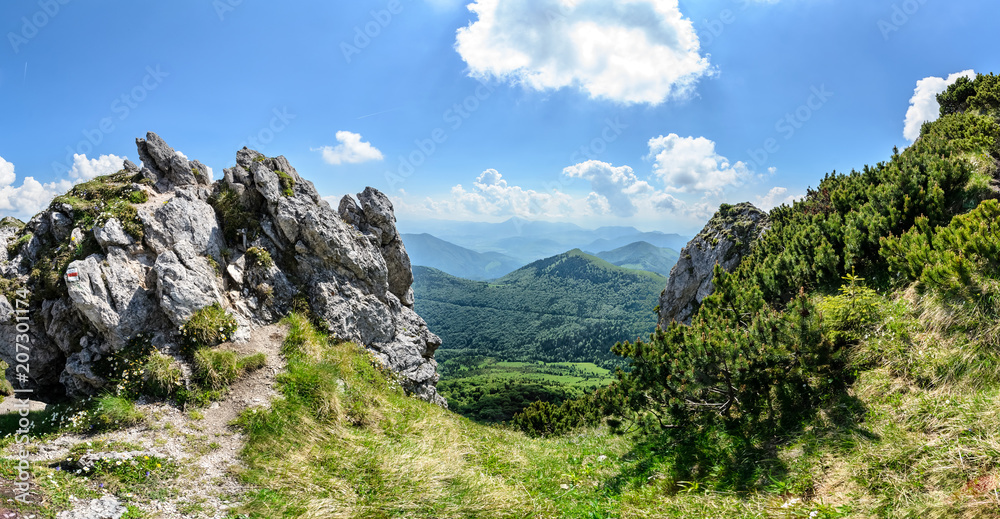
527,240
658,239
569,307
429,251
642,255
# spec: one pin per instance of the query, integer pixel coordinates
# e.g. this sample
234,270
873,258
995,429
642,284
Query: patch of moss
109,196
287,183
9,288
234,215
5,388
124,212
258,256
14,247
215,265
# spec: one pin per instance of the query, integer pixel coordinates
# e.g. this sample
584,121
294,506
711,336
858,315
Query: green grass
584,376
113,412
258,256
287,183
208,327
162,376
917,436
345,441
215,369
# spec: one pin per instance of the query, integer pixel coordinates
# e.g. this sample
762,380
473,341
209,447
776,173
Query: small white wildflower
814,513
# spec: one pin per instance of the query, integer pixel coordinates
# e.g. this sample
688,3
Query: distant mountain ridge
430,251
526,240
642,255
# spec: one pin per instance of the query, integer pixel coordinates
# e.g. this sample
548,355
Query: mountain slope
569,307
642,255
429,251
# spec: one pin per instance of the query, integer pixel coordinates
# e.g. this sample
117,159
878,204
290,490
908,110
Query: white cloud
85,169
351,150
7,176
924,106
491,196
629,51
614,186
28,198
687,164
775,197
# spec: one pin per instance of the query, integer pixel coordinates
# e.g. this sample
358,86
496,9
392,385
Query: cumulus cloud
775,197
616,186
30,197
689,164
85,169
924,106
351,150
628,51
491,196
7,176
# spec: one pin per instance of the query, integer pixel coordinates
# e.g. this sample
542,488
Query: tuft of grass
161,375
208,327
287,183
253,362
5,388
110,413
215,265
15,246
216,369
258,256
235,217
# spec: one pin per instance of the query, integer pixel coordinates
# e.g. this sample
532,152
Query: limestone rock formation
153,245
725,240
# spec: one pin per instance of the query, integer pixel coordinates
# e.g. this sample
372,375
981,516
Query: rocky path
201,441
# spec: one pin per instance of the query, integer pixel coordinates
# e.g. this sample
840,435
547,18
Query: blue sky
641,112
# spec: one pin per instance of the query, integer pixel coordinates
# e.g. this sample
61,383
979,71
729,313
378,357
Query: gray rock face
112,234
182,219
725,241
352,269
185,283
105,507
166,167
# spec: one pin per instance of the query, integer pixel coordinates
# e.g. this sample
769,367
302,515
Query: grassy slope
918,436
346,442
893,448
